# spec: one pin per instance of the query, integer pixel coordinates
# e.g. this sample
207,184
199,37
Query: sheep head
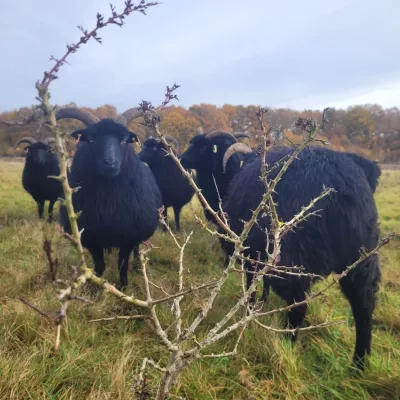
106,142
153,149
38,152
205,152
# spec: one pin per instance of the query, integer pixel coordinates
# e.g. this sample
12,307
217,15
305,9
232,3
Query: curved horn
241,135
129,115
173,141
26,139
235,148
76,113
49,141
214,134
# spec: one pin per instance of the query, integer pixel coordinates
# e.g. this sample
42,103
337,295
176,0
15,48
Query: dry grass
99,361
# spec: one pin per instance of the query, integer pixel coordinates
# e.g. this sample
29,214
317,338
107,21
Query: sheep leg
177,212
108,250
226,262
295,317
136,254
136,259
265,292
50,210
123,260
249,281
40,205
98,260
360,289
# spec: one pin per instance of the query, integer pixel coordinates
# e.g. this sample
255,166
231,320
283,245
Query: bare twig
120,317
183,346
42,313
326,324
231,353
251,317
115,18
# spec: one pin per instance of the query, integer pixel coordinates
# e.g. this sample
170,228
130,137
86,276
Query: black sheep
175,189
322,245
118,196
205,155
40,163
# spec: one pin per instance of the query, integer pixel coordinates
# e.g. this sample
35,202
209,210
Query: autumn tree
359,122
210,117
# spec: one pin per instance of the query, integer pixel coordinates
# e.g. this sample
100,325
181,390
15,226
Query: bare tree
181,341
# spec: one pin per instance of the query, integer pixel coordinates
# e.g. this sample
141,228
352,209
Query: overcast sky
289,53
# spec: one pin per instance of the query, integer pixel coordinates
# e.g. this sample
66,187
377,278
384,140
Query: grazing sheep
205,154
322,245
118,196
175,189
40,163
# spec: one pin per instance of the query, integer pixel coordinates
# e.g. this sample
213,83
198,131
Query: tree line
369,130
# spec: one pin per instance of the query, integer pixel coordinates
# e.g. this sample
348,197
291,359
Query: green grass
99,361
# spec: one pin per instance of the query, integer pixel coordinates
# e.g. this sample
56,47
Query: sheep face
38,154
206,153
152,151
199,153
107,143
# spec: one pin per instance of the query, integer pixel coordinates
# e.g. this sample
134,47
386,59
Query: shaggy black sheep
205,155
40,163
322,245
175,189
118,196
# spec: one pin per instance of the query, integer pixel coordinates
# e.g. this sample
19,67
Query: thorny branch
48,111
179,359
115,18
311,297
184,348
152,120
177,307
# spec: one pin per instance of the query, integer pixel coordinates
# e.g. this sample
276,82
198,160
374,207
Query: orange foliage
369,130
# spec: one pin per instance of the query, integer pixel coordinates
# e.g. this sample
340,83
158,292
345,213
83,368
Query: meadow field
99,360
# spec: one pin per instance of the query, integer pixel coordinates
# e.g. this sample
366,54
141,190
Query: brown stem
42,313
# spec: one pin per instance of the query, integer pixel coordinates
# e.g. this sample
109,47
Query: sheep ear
133,138
79,135
27,148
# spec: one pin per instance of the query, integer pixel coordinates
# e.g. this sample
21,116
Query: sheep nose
110,163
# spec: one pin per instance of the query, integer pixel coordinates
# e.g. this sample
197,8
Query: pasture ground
99,360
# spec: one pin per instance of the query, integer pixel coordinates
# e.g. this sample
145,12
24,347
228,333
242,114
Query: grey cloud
301,54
